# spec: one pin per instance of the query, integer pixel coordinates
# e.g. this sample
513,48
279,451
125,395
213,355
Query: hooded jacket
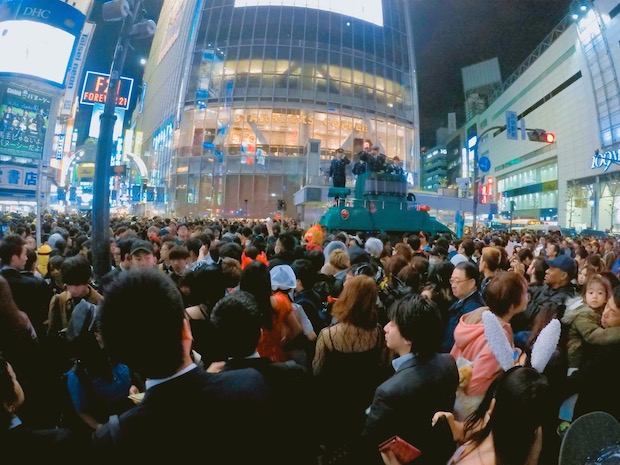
471,344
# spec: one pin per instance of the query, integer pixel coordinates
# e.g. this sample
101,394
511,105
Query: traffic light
281,205
540,135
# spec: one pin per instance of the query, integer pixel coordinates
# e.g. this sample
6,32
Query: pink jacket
470,343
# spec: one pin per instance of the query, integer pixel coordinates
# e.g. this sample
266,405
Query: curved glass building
242,93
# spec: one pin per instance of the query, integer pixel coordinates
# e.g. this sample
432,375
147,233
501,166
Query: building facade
568,86
241,94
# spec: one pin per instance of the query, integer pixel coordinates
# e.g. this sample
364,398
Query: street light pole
101,185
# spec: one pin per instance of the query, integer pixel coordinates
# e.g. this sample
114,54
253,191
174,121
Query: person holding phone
423,380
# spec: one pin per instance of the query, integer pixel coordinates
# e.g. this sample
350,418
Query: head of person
490,260
611,313
164,252
178,257
506,294
256,280
356,304
11,393
54,266
238,321
339,153
142,256
76,274
124,246
13,251
536,270
464,279
374,247
467,247
285,243
596,261
143,323
560,272
437,254
596,292
513,409
415,326
552,249
305,274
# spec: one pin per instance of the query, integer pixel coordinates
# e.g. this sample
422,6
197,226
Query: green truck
380,203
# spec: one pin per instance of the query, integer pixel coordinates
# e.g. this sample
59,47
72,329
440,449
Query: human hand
133,390
215,367
389,458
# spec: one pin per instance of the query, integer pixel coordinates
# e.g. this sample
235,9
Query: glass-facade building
237,90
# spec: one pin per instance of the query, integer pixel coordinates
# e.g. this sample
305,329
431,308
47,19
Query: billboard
37,38
23,123
366,10
95,90
95,121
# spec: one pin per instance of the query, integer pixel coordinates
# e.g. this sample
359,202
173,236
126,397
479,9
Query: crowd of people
268,342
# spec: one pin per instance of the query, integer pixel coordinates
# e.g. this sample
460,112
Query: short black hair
10,246
178,252
471,270
418,321
238,322
124,245
76,270
147,336
304,271
230,249
287,240
193,244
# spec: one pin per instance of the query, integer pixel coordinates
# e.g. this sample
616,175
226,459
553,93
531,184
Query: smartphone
403,451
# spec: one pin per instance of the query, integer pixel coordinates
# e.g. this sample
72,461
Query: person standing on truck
337,168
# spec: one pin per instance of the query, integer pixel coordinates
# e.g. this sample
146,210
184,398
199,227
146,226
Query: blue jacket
455,312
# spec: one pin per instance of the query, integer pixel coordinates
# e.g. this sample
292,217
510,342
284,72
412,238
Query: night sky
448,35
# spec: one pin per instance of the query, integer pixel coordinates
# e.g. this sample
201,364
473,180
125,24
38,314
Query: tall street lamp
127,11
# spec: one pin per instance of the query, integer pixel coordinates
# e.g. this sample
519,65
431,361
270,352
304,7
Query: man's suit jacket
404,406
31,295
219,415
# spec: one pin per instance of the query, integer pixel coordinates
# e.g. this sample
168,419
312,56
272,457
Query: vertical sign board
75,71
512,129
24,121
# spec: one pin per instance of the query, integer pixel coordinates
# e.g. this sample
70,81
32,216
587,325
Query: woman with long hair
279,323
350,359
506,427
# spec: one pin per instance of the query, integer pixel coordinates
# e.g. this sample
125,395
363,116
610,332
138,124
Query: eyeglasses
458,281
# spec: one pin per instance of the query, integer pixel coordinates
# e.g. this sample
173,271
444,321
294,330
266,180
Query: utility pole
112,11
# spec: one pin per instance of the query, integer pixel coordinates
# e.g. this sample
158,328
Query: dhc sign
605,159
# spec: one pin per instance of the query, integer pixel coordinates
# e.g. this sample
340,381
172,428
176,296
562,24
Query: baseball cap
141,246
563,262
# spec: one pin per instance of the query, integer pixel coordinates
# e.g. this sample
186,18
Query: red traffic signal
540,135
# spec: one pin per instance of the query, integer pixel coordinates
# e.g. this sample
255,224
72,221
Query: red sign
344,214
372,208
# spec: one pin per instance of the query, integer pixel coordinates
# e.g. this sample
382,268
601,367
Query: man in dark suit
144,325
424,381
238,321
31,294
337,168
